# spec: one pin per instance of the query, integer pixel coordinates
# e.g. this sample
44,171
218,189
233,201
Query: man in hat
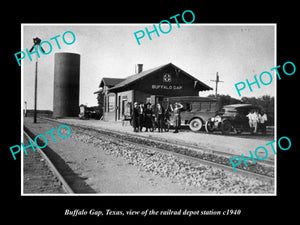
148,117
141,116
177,118
135,117
159,116
262,118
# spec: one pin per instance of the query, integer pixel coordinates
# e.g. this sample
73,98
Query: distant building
146,86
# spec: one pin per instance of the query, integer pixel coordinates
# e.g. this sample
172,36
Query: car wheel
226,127
209,127
195,124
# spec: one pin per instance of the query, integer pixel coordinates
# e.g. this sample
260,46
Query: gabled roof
130,79
110,82
135,77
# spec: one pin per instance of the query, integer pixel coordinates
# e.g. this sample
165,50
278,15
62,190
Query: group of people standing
154,116
257,121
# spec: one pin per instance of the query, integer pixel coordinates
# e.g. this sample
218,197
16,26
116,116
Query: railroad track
51,165
215,159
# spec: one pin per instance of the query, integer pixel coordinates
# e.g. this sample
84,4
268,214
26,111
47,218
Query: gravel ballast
179,170
139,170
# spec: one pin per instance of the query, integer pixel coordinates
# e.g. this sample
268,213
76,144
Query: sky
236,51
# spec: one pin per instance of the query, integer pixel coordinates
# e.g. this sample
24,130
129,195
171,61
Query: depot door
119,108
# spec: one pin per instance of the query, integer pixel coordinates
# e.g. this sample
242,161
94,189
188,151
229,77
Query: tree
265,102
225,100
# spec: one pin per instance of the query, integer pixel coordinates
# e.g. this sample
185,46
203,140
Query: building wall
109,113
124,103
168,83
140,96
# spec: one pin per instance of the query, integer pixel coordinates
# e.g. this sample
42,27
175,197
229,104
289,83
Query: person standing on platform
148,117
159,116
177,118
255,120
167,118
250,117
153,118
141,116
262,121
135,117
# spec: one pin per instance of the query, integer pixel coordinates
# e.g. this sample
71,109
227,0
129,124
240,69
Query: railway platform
216,142
108,158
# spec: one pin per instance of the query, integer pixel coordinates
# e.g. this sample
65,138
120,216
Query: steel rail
191,158
52,167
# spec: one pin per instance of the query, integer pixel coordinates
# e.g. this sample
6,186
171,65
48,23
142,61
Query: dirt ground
37,177
94,171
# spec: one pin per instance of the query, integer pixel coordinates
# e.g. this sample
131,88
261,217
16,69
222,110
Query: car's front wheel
226,127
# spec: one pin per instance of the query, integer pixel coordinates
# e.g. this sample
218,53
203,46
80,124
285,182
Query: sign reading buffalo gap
146,86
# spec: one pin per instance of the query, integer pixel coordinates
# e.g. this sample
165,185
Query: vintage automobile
89,112
196,110
231,118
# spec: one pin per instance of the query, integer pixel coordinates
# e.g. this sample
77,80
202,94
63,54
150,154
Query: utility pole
217,81
36,42
35,91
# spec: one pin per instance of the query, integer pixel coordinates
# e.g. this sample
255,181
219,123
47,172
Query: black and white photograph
146,113
185,113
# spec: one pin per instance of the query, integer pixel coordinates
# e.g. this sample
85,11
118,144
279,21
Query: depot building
151,85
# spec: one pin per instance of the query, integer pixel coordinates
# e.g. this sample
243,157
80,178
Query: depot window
111,103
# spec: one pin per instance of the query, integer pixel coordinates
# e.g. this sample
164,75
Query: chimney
138,68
